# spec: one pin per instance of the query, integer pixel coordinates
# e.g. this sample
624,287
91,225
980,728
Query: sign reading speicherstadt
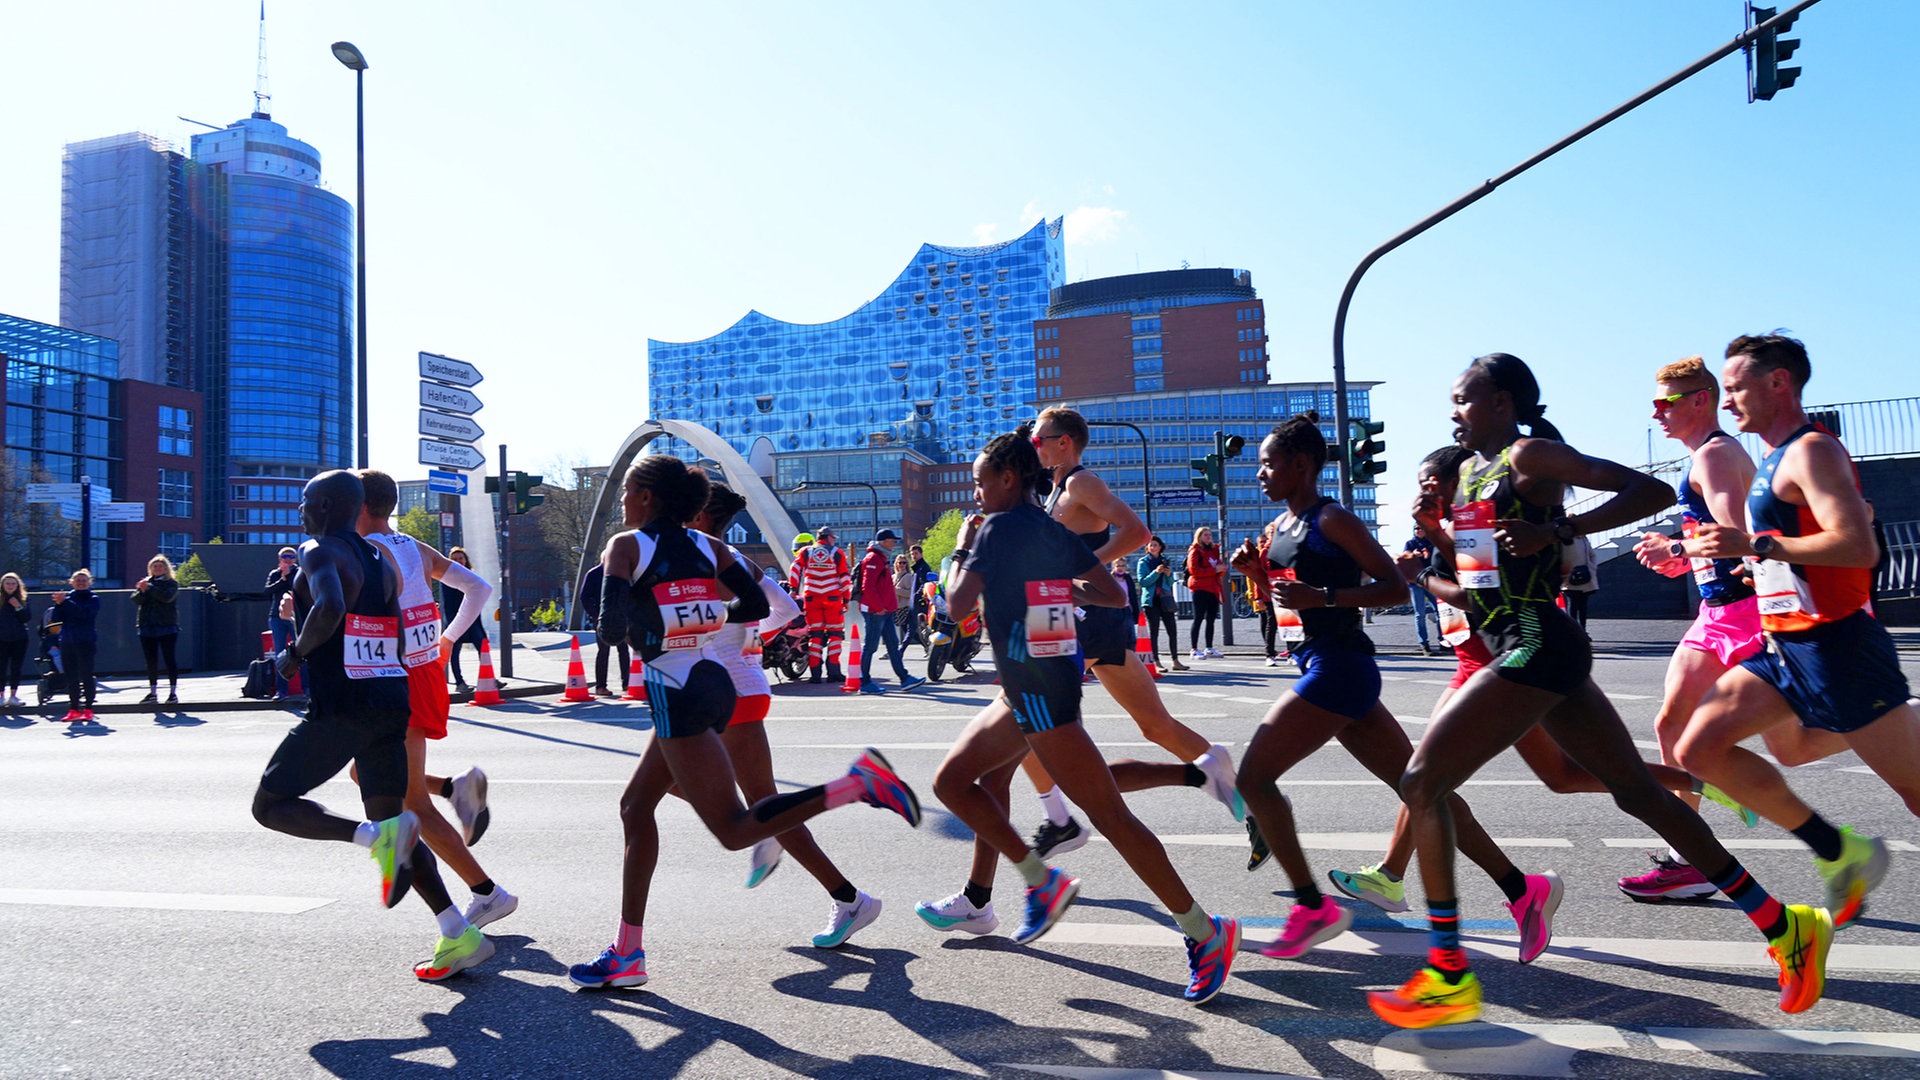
450,399
448,370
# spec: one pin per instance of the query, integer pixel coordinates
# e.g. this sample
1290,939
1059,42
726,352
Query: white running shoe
491,908
1217,763
956,912
844,919
1199,654
762,861
1215,654
470,805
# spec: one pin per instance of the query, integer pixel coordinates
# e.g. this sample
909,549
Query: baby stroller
53,679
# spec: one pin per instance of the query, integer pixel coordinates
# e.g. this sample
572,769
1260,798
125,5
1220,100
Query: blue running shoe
612,969
884,788
1211,962
1045,904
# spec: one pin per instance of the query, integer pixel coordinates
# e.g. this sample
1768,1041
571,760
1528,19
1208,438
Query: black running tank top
1500,582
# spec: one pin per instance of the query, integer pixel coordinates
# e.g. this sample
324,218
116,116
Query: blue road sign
446,483
1178,496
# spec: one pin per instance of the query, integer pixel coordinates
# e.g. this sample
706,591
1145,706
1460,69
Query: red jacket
1203,569
876,582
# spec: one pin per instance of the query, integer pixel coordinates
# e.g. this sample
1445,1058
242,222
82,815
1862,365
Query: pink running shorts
1730,631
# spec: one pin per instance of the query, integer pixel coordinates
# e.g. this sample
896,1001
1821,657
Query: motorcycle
948,642
786,651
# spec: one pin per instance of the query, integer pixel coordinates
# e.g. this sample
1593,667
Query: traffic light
1765,76
1230,445
1364,447
1209,474
524,498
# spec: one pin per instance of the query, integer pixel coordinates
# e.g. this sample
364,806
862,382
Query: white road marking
1618,696
1748,845
267,905
1494,1049
1204,694
1083,1072
1894,959
1787,1041
1340,841
1252,700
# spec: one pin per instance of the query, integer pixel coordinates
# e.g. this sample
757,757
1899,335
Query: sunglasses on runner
1662,404
1041,440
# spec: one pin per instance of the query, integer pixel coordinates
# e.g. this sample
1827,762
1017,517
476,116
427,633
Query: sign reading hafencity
448,370
449,399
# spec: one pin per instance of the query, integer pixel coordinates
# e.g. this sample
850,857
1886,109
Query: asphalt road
150,927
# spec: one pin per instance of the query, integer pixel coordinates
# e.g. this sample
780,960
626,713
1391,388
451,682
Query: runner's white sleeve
781,607
474,591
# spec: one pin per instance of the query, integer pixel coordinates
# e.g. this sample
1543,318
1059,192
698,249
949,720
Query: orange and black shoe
1801,952
1429,1000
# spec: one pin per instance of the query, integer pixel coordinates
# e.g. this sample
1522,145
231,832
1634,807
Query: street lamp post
1146,466
874,491
350,55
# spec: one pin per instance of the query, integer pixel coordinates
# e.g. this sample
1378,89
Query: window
176,546
176,493
176,431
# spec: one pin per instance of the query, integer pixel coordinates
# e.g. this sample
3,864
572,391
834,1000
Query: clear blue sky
550,187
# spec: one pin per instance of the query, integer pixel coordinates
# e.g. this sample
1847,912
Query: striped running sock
1766,912
1444,953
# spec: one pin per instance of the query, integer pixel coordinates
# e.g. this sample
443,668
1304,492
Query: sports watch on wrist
1564,531
1763,546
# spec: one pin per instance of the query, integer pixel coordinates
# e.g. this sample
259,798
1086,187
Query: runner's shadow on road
16,721
177,720
504,1025
89,729
983,1037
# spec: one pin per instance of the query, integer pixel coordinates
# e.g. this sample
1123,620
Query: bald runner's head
331,503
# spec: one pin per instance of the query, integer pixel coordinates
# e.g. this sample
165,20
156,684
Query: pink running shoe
1307,927
1533,913
1668,880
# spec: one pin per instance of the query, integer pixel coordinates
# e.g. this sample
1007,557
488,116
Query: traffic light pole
1778,22
1220,543
505,607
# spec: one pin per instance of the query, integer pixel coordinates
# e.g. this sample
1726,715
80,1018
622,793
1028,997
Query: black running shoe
1050,839
1261,853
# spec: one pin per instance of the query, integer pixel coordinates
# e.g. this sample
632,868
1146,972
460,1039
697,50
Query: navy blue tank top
1717,579
1299,547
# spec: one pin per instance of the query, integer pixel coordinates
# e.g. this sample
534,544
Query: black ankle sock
485,888
978,895
1823,838
446,788
846,893
1195,776
1308,896
766,809
1514,884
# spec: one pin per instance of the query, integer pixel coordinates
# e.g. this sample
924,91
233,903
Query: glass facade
63,421
273,273
938,363
1179,426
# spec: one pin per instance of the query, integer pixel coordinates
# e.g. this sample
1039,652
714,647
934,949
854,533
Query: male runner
1828,662
1712,488
348,597
424,656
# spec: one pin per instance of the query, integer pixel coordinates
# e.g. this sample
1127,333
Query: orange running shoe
1801,953
1429,1000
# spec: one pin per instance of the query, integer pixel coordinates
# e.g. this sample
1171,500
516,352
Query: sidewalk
537,670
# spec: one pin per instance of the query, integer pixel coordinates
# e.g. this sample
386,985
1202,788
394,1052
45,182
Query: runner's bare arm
1129,532
1546,467
1097,588
1817,473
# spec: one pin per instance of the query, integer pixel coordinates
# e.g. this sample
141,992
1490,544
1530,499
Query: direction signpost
1178,496
446,483
443,426
450,399
449,455
446,369
449,430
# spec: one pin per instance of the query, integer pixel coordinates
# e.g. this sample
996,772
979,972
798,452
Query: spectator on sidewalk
1125,577
279,616
1580,573
1204,577
873,587
903,595
1156,591
450,601
78,612
1423,608
156,619
16,620
589,603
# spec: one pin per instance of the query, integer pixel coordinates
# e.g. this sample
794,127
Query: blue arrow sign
1178,496
446,483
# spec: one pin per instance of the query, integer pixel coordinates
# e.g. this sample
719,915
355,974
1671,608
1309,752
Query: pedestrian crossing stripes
154,901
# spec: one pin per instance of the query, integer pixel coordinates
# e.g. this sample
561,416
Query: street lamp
874,491
350,55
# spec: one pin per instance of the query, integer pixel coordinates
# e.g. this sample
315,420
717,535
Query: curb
522,688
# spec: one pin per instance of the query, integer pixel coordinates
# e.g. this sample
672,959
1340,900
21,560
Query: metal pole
1220,544
360,246
1486,188
506,607
86,523
1146,466
875,492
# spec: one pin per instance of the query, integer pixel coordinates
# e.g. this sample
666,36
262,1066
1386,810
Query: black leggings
77,660
1268,628
601,651
156,648
1206,612
1577,606
13,656
1158,617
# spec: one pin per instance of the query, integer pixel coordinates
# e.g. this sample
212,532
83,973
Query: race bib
1778,587
1050,618
1703,569
422,625
691,613
1285,619
371,643
1476,558
1454,627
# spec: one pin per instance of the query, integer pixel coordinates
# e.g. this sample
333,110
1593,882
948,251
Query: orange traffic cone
1143,647
485,690
850,659
576,676
637,680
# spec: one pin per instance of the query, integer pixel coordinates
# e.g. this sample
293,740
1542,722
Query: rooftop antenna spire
262,99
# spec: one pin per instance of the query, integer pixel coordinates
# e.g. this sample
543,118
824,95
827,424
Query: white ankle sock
1055,805
452,922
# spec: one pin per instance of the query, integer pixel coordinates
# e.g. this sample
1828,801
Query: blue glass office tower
64,420
938,363
273,322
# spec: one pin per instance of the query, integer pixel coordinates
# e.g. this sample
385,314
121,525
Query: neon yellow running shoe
1370,883
1747,817
1429,1000
392,852
1862,863
454,955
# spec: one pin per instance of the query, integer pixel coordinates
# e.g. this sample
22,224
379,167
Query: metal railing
1900,578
